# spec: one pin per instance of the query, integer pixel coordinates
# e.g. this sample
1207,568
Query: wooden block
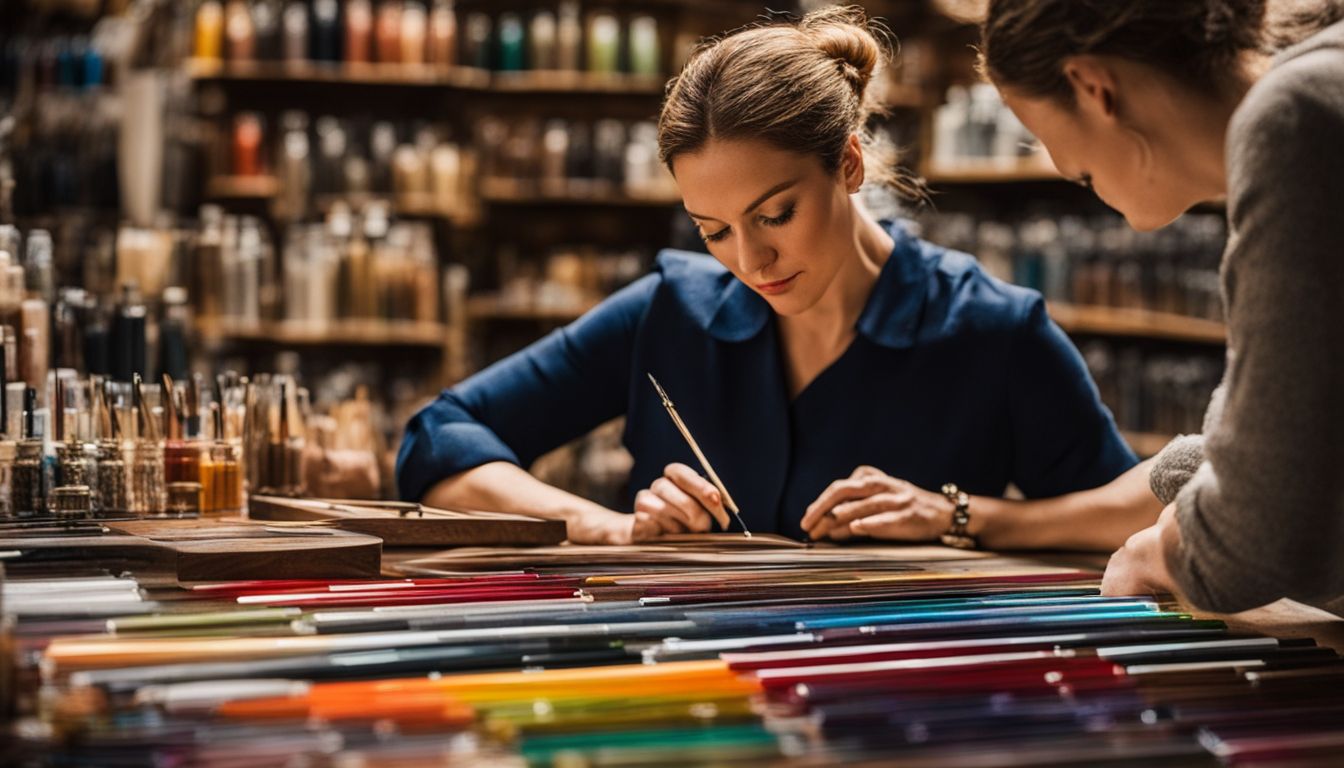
207,550
435,528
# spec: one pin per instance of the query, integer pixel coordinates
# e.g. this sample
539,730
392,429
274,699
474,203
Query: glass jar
29,481
111,497
72,502
146,473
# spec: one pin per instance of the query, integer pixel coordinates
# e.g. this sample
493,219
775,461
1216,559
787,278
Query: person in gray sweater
1161,104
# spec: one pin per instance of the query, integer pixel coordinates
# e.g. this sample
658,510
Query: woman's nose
756,254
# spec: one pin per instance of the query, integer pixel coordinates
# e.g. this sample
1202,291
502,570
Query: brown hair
801,85
1024,42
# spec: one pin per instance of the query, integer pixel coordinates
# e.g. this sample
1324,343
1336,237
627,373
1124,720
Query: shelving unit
242,187
489,307
1139,323
468,78
1147,444
992,173
345,333
496,193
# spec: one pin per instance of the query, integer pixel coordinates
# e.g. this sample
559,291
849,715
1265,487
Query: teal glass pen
699,454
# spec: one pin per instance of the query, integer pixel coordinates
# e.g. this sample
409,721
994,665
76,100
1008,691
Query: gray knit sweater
1263,516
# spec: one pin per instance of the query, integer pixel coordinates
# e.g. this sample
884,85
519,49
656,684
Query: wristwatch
956,535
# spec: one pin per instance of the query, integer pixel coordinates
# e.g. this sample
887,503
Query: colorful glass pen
695,448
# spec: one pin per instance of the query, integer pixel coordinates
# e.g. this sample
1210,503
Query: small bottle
358,32
268,37
476,41
239,33
38,269
35,342
414,34
183,448
569,36
128,335
326,31
183,500
644,53
111,498
30,480
209,31
8,450
387,31
442,34
295,26
511,57
542,50
604,43
247,140
145,460
72,502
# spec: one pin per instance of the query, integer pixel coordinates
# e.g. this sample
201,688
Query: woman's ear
1094,85
851,164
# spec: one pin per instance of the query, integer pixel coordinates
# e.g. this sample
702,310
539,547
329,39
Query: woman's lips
778,286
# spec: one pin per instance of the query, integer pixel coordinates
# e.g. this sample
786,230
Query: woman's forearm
1099,519
503,487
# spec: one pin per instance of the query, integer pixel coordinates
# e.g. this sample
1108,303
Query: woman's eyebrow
769,193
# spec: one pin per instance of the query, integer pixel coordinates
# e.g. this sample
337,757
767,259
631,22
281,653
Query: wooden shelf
428,76
509,192
1147,444
351,333
243,187
990,172
904,96
404,75
485,307
547,81
1141,323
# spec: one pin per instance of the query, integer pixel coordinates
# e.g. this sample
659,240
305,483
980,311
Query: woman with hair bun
1161,104
836,370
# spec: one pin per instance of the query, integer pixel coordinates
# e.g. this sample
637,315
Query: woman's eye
779,220
714,237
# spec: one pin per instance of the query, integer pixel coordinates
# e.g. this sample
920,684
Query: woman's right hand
681,501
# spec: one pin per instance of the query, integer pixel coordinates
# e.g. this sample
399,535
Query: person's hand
601,526
872,503
681,501
1140,566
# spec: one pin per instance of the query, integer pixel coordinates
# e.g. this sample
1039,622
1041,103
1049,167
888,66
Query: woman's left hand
1140,566
872,503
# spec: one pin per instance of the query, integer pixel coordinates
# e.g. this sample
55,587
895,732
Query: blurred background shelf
1142,323
487,307
1147,444
346,333
993,172
400,75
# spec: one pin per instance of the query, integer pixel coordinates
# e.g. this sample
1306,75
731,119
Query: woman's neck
1202,134
830,322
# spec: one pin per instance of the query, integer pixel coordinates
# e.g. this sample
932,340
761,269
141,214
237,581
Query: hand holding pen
681,501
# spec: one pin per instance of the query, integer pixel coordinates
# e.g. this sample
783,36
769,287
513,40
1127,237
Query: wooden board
209,550
435,528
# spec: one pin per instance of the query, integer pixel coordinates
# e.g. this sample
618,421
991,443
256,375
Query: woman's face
776,219
1117,159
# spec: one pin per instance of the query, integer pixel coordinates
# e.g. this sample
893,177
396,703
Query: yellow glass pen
699,454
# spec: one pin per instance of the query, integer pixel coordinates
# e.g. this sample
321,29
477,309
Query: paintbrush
695,448
142,408
170,422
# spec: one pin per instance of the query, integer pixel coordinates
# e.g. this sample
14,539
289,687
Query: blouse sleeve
536,400
1063,438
